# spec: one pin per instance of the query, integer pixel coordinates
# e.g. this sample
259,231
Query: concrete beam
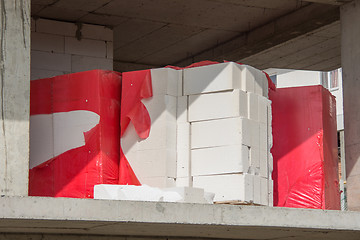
154,219
281,30
14,96
332,2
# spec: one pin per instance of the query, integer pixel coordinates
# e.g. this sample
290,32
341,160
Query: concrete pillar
350,60
14,96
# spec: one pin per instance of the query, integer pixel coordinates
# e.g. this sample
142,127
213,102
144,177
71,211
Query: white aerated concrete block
257,189
166,81
51,61
217,105
106,191
161,108
269,127
262,108
247,79
263,144
188,194
254,160
184,181
96,32
109,50
85,47
41,139
264,165
229,187
153,163
182,109
47,42
162,135
264,193
183,163
40,73
271,192
183,150
160,182
255,134
69,129
270,165
56,27
162,111
253,80
86,63
148,193
129,140
212,78
253,111
222,132
220,160
183,136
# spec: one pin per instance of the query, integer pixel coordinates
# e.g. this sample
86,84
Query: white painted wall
55,49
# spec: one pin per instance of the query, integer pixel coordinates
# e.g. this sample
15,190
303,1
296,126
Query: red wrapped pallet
305,148
74,133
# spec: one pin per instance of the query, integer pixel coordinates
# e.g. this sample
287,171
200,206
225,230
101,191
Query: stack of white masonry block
211,129
154,159
230,121
59,48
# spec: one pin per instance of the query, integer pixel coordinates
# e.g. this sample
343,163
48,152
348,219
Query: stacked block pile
154,159
211,129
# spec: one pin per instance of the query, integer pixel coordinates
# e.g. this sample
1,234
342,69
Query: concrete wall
14,96
350,58
61,47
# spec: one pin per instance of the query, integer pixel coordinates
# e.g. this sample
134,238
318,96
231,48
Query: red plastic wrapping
305,148
135,86
75,172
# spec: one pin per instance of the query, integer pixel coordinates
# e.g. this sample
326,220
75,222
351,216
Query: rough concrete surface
128,218
14,96
179,33
350,59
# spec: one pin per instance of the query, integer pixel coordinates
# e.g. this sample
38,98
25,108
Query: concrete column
350,60
14,96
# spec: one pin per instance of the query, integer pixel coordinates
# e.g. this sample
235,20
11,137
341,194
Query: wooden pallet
237,202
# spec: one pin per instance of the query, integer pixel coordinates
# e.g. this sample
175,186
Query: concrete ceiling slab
43,2
132,30
333,2
273,4
83,5
35,8
102,19
162,32
306,52
154,42
64,14
189,46
201,13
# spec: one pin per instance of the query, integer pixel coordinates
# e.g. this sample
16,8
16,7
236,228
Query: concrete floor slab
127,218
